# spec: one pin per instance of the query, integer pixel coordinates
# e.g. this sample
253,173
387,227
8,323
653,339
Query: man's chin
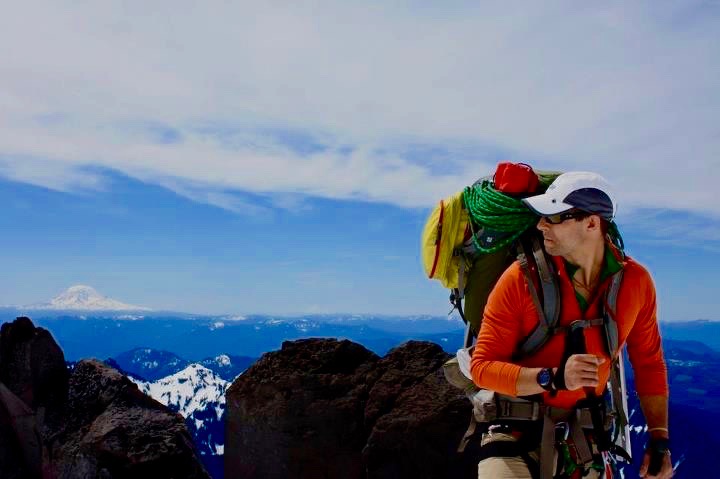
550,247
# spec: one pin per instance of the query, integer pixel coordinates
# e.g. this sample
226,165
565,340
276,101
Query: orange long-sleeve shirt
510,316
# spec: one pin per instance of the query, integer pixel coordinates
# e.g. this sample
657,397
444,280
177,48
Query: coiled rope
496,211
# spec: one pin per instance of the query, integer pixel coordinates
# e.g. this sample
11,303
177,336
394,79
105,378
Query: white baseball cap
581,190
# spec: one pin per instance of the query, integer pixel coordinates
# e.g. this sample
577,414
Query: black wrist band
658,449
660,444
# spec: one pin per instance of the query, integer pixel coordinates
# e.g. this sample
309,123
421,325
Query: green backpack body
499,225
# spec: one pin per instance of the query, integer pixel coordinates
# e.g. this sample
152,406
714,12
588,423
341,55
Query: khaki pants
513,467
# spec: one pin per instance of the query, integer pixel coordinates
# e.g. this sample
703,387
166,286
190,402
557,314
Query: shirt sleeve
501,331
645,347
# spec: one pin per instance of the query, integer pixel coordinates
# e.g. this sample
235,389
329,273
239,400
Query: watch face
544,377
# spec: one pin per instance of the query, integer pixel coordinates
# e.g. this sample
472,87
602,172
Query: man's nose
542,224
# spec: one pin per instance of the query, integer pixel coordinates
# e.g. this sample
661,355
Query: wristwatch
545,379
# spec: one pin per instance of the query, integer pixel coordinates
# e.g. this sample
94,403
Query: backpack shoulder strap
617,382
549,310
610,313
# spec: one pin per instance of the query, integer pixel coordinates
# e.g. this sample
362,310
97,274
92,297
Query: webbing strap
469,337
586,323
525,268
517,409
547,448
551,293
468,434
458,294
611,329
619,402
575,420
617,395
549,311
468,248
461,279
578,437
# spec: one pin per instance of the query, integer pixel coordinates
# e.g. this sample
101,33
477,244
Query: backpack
472,236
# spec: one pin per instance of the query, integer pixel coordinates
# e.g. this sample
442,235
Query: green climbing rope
498,212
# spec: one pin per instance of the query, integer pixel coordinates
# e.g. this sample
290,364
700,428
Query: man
575,213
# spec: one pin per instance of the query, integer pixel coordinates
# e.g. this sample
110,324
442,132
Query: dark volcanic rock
299,412
327,408
94,423
417,436
114,430
32,366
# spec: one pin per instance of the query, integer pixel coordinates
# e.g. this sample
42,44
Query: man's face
564,238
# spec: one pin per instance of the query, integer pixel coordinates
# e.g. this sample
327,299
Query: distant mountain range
702,330
148,364
103,335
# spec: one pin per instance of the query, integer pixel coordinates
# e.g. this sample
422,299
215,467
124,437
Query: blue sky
282,158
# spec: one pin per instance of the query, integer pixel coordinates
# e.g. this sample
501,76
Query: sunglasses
560,217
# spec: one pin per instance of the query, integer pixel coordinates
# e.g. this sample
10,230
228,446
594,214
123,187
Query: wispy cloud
207,194
50,174
663,227
328,99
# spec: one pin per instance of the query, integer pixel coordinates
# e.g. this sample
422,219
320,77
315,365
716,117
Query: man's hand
581,370
666,470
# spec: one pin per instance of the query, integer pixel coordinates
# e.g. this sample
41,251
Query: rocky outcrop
33,395
32,365
92,423
327,408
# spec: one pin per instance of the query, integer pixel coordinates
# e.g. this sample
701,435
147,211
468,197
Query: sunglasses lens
554,219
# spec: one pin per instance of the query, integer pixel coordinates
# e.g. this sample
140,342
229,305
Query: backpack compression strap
621,436
549,311
611,329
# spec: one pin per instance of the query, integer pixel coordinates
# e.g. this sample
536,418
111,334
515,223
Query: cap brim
545,205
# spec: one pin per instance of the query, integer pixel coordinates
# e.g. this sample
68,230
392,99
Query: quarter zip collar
613,261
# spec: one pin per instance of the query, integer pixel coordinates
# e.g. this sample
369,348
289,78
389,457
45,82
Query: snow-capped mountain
195,390
198,394
188,390
85,298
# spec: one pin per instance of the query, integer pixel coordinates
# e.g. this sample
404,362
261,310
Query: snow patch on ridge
189,390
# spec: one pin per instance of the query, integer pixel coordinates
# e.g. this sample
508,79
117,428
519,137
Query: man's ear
594,223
